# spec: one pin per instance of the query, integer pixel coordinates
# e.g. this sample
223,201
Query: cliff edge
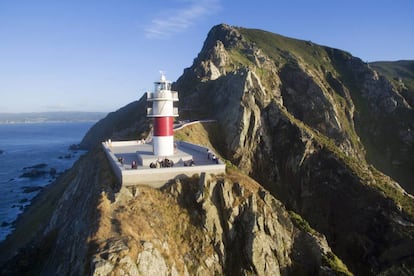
318,128
319,148
201,225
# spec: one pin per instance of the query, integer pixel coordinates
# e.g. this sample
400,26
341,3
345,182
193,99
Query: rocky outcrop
401,74
327,89
194,226
250,230
301,119
236,229
384,120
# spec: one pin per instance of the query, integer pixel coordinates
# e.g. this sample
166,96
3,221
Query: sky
99,55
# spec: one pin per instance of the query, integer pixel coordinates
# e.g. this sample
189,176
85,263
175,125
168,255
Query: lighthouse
162,109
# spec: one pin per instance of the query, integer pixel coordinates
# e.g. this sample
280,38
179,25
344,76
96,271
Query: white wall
157,177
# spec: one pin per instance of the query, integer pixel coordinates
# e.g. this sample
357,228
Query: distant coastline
50,117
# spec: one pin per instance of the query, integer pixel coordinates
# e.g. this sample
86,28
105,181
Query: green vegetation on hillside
329,259
125,123
399,72
206,134
238,59
284,49
300,223
366,173
336,264
305,58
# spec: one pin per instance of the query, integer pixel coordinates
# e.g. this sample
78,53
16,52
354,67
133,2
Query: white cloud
173,21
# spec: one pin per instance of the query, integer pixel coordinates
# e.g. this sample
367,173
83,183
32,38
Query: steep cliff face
311,124
301,119
385,119
327,89
55,229
400,74
194,226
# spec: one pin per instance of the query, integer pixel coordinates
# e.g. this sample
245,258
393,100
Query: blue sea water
27,145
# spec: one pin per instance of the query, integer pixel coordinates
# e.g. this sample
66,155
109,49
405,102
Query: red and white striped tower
161,108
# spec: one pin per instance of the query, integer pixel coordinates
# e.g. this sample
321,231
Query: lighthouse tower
161,108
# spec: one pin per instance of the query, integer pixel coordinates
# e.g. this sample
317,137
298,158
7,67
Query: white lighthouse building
161,108
133,163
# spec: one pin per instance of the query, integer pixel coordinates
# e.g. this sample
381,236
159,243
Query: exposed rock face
60,222
384,121
199,226
250,230
401,74
73,221
298,118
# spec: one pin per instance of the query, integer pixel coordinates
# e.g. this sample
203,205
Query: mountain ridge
283,116
339,114
305,122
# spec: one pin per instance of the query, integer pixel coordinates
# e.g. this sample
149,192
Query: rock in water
37,166
34,173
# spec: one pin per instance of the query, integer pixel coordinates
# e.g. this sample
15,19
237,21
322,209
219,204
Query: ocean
32,155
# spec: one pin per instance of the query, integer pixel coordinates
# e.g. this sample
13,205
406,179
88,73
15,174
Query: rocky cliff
323,134
194,226
302,120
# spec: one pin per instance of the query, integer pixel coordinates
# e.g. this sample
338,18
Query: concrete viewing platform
123,154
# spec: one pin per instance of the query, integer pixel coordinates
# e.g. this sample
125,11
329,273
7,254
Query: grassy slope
283,49
365,173
151,216
127,122
202,133
279,48
206,134
313,57
393,70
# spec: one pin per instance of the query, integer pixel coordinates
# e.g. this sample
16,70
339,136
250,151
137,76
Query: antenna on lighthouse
162,76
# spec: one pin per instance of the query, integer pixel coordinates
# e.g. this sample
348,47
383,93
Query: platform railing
150,111
163,95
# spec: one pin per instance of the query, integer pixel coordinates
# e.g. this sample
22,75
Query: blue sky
101,55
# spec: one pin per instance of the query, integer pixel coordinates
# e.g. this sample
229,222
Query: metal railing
163,95
150,111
